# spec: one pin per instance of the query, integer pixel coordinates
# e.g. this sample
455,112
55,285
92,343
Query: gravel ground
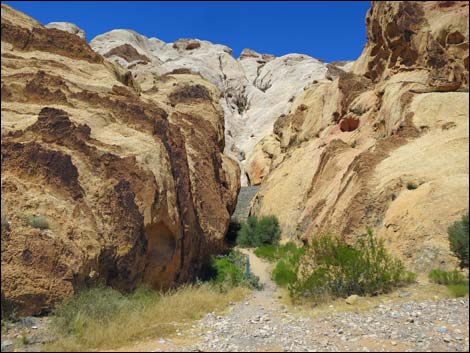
262,323
412,326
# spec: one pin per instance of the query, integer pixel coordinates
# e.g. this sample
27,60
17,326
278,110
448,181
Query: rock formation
130,178
67,27
256,89
384,145
123,147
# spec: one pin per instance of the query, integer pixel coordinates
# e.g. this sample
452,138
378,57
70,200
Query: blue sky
326,30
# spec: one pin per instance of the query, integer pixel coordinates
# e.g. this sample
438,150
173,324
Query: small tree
256,232
458,237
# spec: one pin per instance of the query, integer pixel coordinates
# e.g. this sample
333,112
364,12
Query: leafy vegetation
459,238
273,253
232,270
332,268
446,277
287,256
458,290
257,232
455,281
102,317
284,273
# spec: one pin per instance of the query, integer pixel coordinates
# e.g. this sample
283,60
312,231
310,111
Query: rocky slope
256,89
385,145
131,179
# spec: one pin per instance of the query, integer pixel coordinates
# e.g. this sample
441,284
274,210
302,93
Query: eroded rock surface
68,27
131,178
255,88
384,145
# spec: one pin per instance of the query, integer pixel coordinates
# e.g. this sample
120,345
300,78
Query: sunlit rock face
256,89
67,27
384,145
131,179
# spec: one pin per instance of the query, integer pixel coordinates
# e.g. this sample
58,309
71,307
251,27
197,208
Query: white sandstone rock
256,88
67,27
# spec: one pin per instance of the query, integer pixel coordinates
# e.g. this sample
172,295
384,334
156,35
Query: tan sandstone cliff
384,146
131,178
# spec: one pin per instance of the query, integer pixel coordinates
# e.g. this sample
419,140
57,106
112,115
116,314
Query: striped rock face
256,89
133,184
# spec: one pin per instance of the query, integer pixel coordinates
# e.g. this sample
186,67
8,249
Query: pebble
442,329
266,327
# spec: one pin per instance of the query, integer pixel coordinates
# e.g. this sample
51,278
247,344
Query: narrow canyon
135,150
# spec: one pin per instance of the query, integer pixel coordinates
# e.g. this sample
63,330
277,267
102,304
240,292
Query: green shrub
287,256
257,232
455,281
458,290
268,252
39,222
284,273
231,271
458,238
411,185
332,268
446,277
273,253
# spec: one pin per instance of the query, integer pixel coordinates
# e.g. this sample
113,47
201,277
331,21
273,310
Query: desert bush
273,253
446,277
455,281
333,268
101,318
287,257
231,271
257,232
284,273
459,238
268,252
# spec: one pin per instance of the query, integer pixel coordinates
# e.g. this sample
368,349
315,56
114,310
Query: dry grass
153,316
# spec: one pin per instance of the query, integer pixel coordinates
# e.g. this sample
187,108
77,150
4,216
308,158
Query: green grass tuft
458,290
446,277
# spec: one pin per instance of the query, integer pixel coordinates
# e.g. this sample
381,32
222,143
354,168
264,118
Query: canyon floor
416,318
